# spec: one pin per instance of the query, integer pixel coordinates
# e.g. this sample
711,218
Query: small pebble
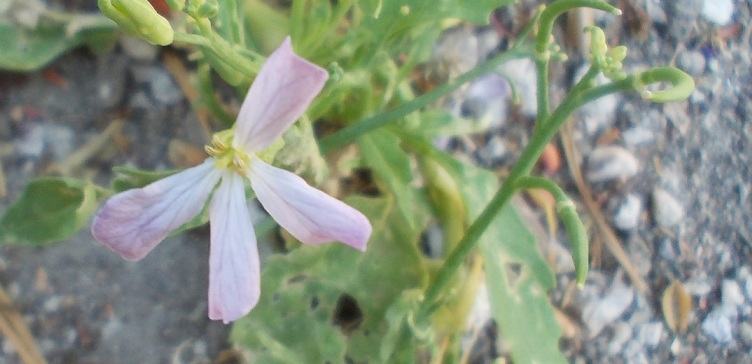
493,151
611,163
745,333
718,326
486,100
668,250
718,12
650,334
692,62
31,143
52,304
655,12
622,334
746,283
60,140
698,286
522,74
667,211
163,88
598,114
627,215
598,313
731,295
637,135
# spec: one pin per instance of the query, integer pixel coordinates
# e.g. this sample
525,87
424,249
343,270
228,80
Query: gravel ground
672,180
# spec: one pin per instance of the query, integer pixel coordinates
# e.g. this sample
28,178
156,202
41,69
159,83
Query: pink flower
133,222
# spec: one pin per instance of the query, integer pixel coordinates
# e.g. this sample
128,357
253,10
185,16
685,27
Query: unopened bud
138,18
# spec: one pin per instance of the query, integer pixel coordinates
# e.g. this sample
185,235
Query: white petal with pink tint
133,222
234,278
282,91
311,216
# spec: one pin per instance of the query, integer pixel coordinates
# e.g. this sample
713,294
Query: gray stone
627,215
611,163
718,326
718,12
667,211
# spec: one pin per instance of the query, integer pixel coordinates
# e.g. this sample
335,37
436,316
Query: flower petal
234,278
282,91
312,216
133,222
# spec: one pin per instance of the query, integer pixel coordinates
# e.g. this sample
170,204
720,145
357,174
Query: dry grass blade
676,304
15,330
185,155
90,149
604,229
181,76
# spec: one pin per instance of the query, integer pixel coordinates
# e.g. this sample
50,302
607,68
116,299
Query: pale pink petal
133,222
234,278
311,216
282,91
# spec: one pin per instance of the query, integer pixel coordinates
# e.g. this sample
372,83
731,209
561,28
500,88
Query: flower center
225,156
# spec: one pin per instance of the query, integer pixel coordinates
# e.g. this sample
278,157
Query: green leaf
301,292
381,151
517,276
50,209
27,50
479,11
136,178
519,300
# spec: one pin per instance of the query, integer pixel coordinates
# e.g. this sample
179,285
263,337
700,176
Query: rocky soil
671,181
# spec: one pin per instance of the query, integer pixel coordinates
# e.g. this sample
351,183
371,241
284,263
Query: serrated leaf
31,49
381,151
301,290
517,276
49,209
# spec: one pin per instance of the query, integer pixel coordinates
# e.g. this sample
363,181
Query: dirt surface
688,214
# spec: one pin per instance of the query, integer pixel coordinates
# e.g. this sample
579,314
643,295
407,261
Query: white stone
731,295
611,163
667,211
598,313
522,74
627,216
650,334
718,326
718,11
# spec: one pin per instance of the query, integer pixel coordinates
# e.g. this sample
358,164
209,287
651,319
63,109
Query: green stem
530,182
578,239
542,43
579,95
225,51
348,134
553,10
682,84
194,39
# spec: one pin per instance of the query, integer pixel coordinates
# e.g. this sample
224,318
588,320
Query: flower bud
202,8
176,5
138,18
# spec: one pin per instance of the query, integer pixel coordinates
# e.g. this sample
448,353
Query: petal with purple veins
133,222
282,91
310,215
234,277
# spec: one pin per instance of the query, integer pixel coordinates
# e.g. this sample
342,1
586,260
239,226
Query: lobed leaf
49,210
306,294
